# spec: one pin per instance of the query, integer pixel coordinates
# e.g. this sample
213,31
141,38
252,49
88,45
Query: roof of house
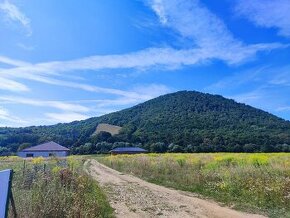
48,146
128,149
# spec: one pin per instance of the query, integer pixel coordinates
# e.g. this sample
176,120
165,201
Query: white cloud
143,59
266,77
25,47
264,98
142,93
69,111
75,110
210,40
45,76
11,85
281,76
151,90
264,87
12,13
192,20
254,75
81,86
6,116
158,7
252,97
285,108
12,62
66,117
42,103
267,13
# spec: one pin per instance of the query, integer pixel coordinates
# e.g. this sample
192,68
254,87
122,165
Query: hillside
181,121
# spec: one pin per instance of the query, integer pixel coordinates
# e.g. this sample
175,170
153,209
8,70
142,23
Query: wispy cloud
285,108
282,78
267,13
254,75
266,99
253,97
142,93
47,75
192,20
71,110
13,13
158,7
207,38
65,117
42,103
11,85
12,62
6,116
25,47
210,40
264,87
209,35
263,76
171,58
68,111
142,59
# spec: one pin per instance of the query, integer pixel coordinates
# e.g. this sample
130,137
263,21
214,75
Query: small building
49,149
128,150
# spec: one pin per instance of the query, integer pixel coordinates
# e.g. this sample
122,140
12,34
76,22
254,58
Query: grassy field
55,188
251,182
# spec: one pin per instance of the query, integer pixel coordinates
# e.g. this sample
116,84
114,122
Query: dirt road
133,197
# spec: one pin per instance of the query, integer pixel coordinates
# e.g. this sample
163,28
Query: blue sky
70,60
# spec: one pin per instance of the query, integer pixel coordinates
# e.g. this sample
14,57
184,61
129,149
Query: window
29,155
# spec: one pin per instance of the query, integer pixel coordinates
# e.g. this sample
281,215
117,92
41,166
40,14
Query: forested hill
182,121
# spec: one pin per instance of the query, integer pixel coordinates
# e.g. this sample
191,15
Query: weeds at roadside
251,182
55,188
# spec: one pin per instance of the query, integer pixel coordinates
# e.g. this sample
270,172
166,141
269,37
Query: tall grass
252,182
55,188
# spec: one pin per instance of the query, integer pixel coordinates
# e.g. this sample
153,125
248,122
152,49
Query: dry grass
55,188
112,129
252,182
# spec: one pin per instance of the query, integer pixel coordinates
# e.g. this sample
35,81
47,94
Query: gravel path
133,197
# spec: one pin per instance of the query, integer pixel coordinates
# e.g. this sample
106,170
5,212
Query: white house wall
43,153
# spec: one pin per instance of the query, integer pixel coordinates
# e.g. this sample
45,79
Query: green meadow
59,187
258,182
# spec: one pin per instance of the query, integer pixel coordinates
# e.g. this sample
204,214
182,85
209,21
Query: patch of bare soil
103,127
134,197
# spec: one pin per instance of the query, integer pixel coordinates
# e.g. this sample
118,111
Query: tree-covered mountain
182,121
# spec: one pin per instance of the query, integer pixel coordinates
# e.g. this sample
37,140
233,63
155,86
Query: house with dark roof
128,150
48,149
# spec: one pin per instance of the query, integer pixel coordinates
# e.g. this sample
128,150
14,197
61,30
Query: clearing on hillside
104,127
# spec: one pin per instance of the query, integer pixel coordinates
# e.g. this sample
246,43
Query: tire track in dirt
134,197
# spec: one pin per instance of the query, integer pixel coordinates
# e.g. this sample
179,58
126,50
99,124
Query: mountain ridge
182,118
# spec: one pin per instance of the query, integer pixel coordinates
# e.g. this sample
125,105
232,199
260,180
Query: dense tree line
183,121
161,147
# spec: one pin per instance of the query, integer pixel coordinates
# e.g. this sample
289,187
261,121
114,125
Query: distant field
253,182
112,129
55,188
